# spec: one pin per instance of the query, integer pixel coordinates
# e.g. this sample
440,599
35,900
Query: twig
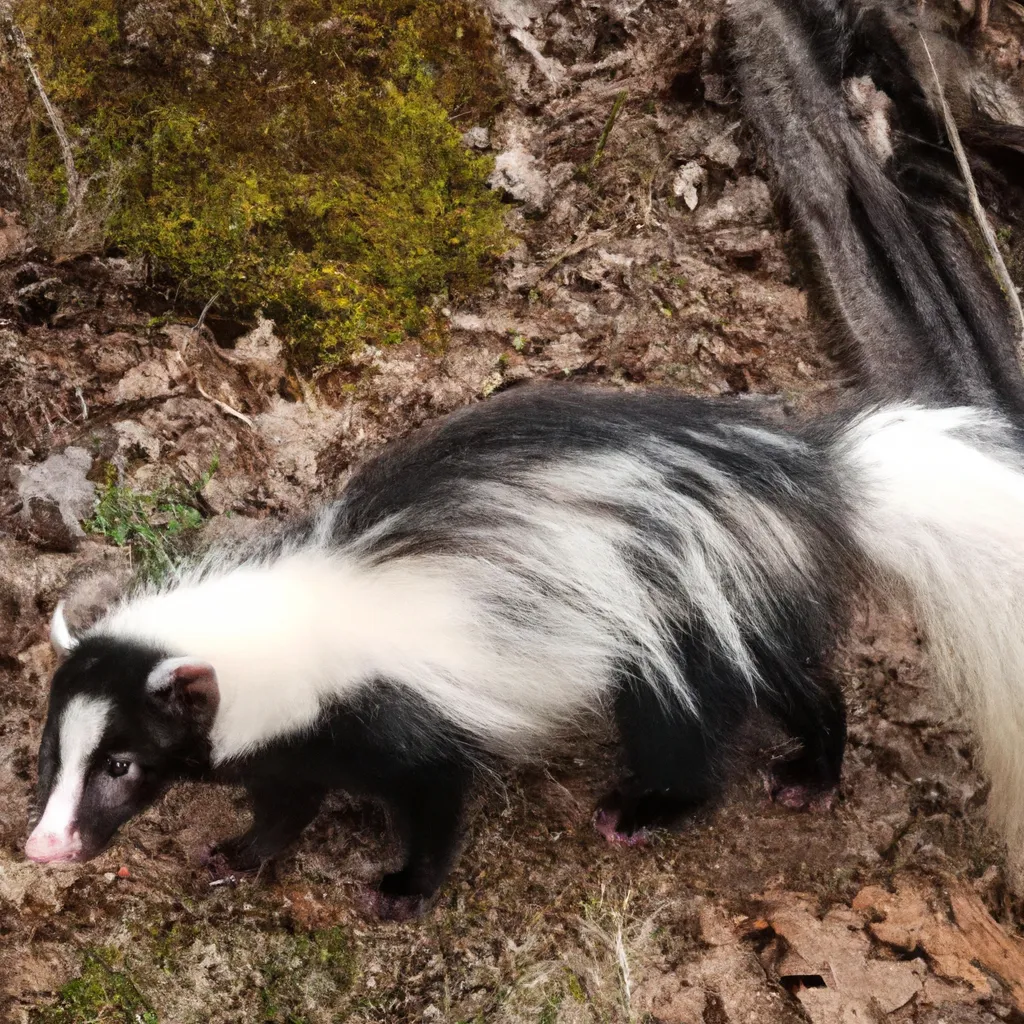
85,408
1016,8
623,961
17,39
620,99
225,408
580,245
976,208
206,309
57,412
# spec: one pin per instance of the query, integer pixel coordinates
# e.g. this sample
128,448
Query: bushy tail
839,95
939,500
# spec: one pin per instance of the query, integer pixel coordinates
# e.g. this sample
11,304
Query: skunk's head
125,721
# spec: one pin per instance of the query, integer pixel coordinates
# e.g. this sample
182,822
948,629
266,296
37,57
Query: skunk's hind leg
813,711
673,760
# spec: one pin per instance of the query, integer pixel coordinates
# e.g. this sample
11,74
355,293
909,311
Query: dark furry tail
864,166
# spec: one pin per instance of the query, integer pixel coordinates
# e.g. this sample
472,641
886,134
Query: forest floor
890,906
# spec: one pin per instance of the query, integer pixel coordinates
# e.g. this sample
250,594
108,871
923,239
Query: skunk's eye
118,766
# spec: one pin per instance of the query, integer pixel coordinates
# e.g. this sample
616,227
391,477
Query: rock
261,347
57,496
722,150
746,201
20,881
550,69
226,495
295,433
716,90
95,585
516,172
38,301
261,353
684,185
117,354
477,138
151,379
744,246
517,13
134,440
14,238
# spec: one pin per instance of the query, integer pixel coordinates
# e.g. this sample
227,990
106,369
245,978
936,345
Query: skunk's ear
188,686
61,640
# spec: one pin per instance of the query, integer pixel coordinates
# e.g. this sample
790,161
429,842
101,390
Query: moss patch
308,971
99,995
248,966
302,157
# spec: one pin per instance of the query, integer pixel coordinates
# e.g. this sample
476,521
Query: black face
111,745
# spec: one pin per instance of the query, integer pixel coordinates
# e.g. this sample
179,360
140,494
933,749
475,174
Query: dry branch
977,209
16,40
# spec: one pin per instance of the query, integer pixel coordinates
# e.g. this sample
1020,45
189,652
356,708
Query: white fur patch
81,729
940,508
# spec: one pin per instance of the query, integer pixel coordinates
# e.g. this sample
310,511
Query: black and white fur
545,554
840,94
559,551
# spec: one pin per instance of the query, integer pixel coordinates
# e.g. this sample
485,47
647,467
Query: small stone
150,379
721,150
685,183
57,496
517,173
477,138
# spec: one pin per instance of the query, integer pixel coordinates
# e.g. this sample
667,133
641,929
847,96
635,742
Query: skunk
550,552
560,551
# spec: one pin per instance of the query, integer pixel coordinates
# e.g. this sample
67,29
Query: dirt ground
890,906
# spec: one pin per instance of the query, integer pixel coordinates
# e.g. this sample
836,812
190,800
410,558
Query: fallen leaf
854,986
956,946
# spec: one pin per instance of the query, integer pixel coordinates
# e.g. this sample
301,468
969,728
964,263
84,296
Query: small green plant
99,995
549,1013
152,525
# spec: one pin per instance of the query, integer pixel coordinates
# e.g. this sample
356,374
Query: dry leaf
837,950
955,947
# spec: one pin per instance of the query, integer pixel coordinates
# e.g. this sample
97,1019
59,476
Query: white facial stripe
81,729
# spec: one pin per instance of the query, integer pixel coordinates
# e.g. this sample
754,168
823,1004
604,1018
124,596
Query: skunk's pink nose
52,847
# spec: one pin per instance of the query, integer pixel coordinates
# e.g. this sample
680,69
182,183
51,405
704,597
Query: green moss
575,987
549,1013
99,995
310,970
302,157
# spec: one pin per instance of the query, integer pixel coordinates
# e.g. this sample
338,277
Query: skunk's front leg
280,812
426,807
